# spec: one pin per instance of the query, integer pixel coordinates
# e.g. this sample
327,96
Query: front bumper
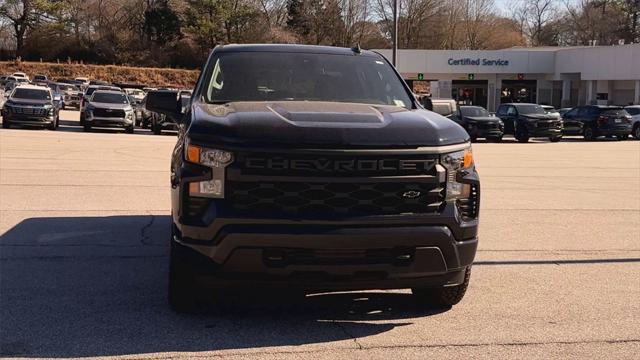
108,121
475,132
28,120
544,128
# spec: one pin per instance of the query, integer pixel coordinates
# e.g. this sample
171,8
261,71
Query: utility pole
394,59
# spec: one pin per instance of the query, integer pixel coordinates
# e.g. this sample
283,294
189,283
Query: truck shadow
95,286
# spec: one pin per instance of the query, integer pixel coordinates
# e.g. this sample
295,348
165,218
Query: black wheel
82,119
621,137
183,294
522,135
495,138
5,124
156,128
53,125
589,134
87,127
555,138
443,296
129,130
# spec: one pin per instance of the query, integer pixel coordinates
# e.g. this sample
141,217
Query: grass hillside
110,73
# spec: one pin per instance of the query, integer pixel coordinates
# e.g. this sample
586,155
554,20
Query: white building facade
563,77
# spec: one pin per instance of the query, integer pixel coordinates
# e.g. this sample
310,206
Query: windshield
530,109
270,76
109,98
31,94
22,80
135,92
473,111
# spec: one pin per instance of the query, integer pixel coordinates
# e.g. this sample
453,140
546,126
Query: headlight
455,163
217,160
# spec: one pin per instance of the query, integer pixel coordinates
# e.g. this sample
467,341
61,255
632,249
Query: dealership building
559,76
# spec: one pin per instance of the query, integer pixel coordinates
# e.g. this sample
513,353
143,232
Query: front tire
182,292
156,128
54,125
87,127
522,135
636,131
621,137
496,139
445,296
6,124
555,138
129,130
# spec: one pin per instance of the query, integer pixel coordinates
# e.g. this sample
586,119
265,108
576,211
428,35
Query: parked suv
526,121
30,105
634,111
314,168
87,95
479,123
592,121
109,108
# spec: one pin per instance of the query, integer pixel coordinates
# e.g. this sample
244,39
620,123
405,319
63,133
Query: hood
540,116
110,105
483,118
321,124
28,102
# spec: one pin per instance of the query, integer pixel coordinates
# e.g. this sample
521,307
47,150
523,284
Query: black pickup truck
315,168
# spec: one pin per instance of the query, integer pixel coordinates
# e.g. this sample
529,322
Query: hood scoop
316,115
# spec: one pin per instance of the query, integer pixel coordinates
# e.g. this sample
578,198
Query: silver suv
108,108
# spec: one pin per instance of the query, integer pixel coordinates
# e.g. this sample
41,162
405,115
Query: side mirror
165,102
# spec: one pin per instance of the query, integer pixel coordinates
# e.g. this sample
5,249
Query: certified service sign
477,62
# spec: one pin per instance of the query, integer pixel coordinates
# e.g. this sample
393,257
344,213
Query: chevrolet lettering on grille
350,165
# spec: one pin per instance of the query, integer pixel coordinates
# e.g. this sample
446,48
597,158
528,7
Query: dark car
30,105
479,123
109,108
525,121
315,168
593,121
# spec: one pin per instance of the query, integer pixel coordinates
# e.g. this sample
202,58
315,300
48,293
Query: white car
20,74
634,111
135,94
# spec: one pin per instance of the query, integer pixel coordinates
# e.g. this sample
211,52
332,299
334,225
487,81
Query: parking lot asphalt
84,219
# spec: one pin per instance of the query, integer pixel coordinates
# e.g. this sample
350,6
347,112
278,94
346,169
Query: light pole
394,59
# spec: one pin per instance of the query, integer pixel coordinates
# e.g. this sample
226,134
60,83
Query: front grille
549,124
30,111
488,125
334,199
115,113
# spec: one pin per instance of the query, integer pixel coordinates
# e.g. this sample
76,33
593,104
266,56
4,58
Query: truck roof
311,49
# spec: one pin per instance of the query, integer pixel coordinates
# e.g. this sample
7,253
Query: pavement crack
349,334
145,239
